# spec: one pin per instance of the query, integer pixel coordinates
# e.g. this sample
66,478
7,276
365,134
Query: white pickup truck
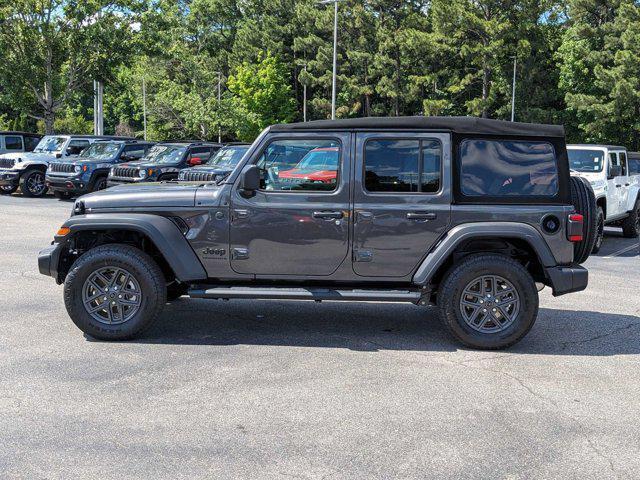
613,174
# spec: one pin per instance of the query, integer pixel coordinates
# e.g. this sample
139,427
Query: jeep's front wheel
32,184
631,224
488,301
114,292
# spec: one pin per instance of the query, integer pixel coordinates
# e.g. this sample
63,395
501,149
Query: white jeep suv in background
27,169
615,184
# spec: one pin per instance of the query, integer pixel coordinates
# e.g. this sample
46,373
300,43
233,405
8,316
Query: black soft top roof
468,125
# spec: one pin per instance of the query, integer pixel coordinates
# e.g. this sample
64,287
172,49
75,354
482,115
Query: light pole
335,54
219,104
513,90
304,96
219,125
144,106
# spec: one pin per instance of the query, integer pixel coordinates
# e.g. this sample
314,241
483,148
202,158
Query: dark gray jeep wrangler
471,215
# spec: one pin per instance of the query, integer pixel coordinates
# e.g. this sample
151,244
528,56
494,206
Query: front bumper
9,178
67,184
48,260
568,279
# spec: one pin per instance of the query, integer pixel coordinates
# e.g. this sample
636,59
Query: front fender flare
467,231
165,235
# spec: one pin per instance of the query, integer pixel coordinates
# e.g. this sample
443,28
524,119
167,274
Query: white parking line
623,250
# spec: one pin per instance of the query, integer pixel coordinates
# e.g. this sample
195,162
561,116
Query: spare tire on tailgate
584,201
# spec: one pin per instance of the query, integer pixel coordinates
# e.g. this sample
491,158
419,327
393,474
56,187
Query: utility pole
304,97
219,104
98,113
513,90
335,54
144,106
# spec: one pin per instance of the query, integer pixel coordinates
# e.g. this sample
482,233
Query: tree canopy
578,63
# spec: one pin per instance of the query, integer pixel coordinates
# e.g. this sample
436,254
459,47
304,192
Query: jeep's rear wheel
114,292
32,184
584,201
488,301
597,244
631,224
8,189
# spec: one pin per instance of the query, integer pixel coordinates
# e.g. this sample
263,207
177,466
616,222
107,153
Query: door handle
328,215
618,185
627,184
421,216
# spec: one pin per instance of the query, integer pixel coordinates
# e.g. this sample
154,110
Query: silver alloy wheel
35,183
111,295
489,304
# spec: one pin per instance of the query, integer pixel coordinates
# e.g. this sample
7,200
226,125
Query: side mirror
193,161
250,178
615,171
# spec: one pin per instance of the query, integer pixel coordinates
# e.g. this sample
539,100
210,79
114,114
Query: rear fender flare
467,231
165,235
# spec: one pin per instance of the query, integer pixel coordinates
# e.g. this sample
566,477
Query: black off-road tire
25,184
631,224
135,262
471,267
99,183
584,201
8,189
597,244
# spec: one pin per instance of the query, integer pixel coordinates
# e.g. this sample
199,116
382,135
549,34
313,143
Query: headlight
77,168
142,173
181,176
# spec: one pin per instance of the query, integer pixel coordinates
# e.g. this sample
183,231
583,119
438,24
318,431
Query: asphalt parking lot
258,389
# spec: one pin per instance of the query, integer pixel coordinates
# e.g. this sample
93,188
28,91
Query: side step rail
317,294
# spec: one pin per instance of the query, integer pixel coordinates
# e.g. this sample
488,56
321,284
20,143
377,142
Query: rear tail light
575,226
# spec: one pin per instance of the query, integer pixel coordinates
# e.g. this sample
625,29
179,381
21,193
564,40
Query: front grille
198,177
62,168
126,172
7,162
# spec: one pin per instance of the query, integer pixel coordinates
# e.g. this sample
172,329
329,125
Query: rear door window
135,151
13,143
402,165
496,168
77,146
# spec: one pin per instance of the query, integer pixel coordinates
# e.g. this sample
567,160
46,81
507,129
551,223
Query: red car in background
320,165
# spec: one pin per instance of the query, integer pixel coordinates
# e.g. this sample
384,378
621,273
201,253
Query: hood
139,196
29,156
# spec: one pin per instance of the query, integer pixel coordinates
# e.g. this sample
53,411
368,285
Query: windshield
50,144
102,150
228,156
319,159
164,154
586,160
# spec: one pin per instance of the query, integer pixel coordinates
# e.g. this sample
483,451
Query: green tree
600,69
262,96
53,48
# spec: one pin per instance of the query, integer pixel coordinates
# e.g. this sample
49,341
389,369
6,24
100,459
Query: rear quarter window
504,168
